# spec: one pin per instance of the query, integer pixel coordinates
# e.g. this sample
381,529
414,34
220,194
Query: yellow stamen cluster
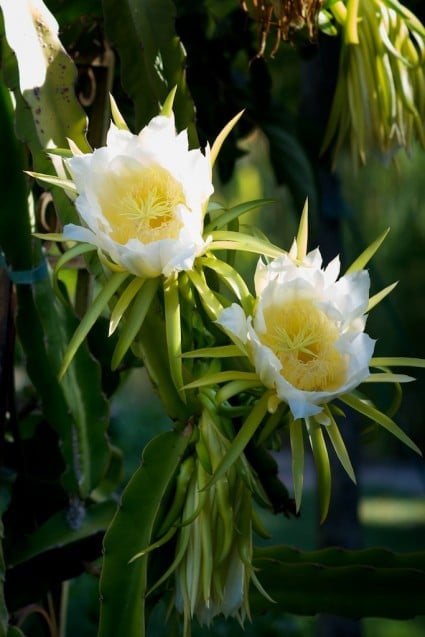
303,338
143,206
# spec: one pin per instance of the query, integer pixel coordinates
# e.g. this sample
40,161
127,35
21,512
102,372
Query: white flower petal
306,339
143,198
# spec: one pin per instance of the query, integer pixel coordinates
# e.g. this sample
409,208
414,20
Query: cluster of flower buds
379,102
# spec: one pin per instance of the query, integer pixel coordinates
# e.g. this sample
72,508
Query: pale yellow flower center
142,206
303,338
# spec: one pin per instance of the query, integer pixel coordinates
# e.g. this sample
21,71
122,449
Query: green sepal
117,118
302,235
221,137
379,296
297,449
92,314
221,351
338,444
232,279
223,377
123,302
244,435
167,107
377,416
364,258
134,320
397,361
230,214
321,461
173,331
228,240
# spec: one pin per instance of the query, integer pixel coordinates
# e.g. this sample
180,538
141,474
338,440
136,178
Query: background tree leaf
152,58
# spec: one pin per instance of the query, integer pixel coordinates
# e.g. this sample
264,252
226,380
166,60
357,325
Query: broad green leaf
81,388
152,58
123,586
352,584
47,75
24,253
60,530
57,128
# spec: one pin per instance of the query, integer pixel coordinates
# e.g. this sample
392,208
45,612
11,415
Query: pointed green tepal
302,236
167,107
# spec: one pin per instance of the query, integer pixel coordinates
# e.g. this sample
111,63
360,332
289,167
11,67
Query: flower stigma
143,206
303,339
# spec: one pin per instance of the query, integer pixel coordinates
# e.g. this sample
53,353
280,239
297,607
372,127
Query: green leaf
61,529
123,586
291,165
152,58
370,583
47,75
81,387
